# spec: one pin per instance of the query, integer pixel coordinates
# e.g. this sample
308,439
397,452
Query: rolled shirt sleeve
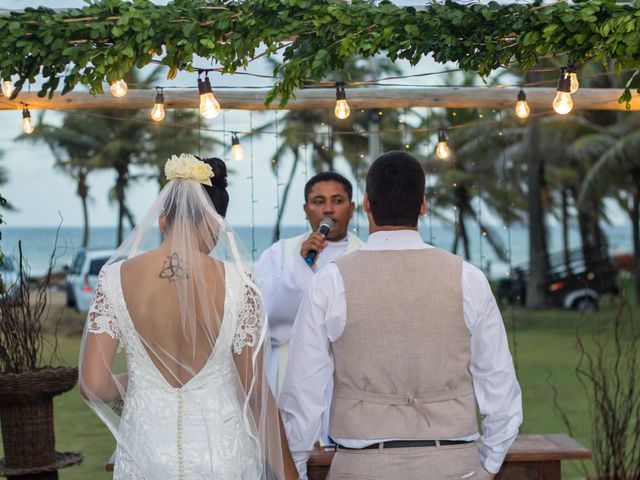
303,399
494,379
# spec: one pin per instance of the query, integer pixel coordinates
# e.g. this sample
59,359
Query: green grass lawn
546,342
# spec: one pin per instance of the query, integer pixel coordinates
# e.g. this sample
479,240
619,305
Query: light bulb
443,152
342,109
237,152
572,70
209,106
522,107
7,88
118,88
157,112
574,82
27,123
562,104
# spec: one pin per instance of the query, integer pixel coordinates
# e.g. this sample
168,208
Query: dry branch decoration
23,314
609,371
102,41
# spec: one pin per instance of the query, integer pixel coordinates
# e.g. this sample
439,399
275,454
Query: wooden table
531,457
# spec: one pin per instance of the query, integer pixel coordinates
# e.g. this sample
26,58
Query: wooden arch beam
358,98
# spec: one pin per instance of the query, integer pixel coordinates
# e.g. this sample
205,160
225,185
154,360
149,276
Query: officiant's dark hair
327,177
395,188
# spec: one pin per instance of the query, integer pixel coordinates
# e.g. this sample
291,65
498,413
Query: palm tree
329,138
471,175
73,145
616,172
178,133
133,139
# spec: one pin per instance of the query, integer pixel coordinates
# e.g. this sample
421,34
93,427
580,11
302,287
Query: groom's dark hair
395,188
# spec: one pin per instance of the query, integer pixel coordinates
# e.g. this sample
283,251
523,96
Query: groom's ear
366,206
423,206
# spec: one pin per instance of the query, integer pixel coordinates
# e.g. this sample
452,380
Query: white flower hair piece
188,167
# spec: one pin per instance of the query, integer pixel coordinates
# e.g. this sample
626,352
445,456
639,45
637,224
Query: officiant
282,272
415,345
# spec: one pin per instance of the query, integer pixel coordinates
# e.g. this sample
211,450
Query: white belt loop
437,443
380,446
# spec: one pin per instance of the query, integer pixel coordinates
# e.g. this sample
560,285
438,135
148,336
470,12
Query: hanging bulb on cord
563,103
209,106
7,88
157,112
27,123
237,152
342,109
522,107
118,88
443,152
573,76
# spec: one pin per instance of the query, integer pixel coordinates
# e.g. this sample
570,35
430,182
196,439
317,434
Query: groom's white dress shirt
321,320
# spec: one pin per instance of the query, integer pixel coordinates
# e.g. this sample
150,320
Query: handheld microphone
326,224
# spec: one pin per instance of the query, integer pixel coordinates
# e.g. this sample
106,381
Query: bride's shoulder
109,270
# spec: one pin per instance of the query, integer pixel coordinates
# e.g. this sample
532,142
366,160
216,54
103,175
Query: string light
118,88
342,109
563,104
522,107
573,76
7,88
237,152
443,152
27,123
157,112
209,106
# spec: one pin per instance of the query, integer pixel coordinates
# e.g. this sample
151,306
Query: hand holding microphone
316,241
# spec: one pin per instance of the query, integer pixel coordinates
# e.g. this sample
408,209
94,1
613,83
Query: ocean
38,242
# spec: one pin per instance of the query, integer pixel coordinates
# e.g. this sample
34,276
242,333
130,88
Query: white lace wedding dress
198,431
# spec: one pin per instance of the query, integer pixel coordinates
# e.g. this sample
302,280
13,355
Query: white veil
172,356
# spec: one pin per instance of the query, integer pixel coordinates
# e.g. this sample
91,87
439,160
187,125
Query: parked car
574,281
9,278
82,277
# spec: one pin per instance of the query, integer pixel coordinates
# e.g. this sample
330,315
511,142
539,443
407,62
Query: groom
416,345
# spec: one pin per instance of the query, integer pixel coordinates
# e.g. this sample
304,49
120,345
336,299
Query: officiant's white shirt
321,320
283,277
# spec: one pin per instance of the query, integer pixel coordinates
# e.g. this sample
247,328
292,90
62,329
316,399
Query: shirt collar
395,240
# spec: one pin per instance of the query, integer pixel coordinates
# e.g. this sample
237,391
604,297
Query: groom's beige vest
402,362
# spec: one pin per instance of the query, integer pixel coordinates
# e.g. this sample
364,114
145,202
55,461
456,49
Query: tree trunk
121,183
285,195
590,233
83,193
565,229
373,140
635,226
536,288
465,238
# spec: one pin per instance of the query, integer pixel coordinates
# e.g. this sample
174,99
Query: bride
173,351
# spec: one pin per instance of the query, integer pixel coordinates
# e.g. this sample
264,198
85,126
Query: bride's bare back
150,285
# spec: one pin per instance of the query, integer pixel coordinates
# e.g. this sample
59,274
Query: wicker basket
26,415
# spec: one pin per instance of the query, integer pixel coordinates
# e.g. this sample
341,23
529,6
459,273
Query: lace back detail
250,320
101,317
